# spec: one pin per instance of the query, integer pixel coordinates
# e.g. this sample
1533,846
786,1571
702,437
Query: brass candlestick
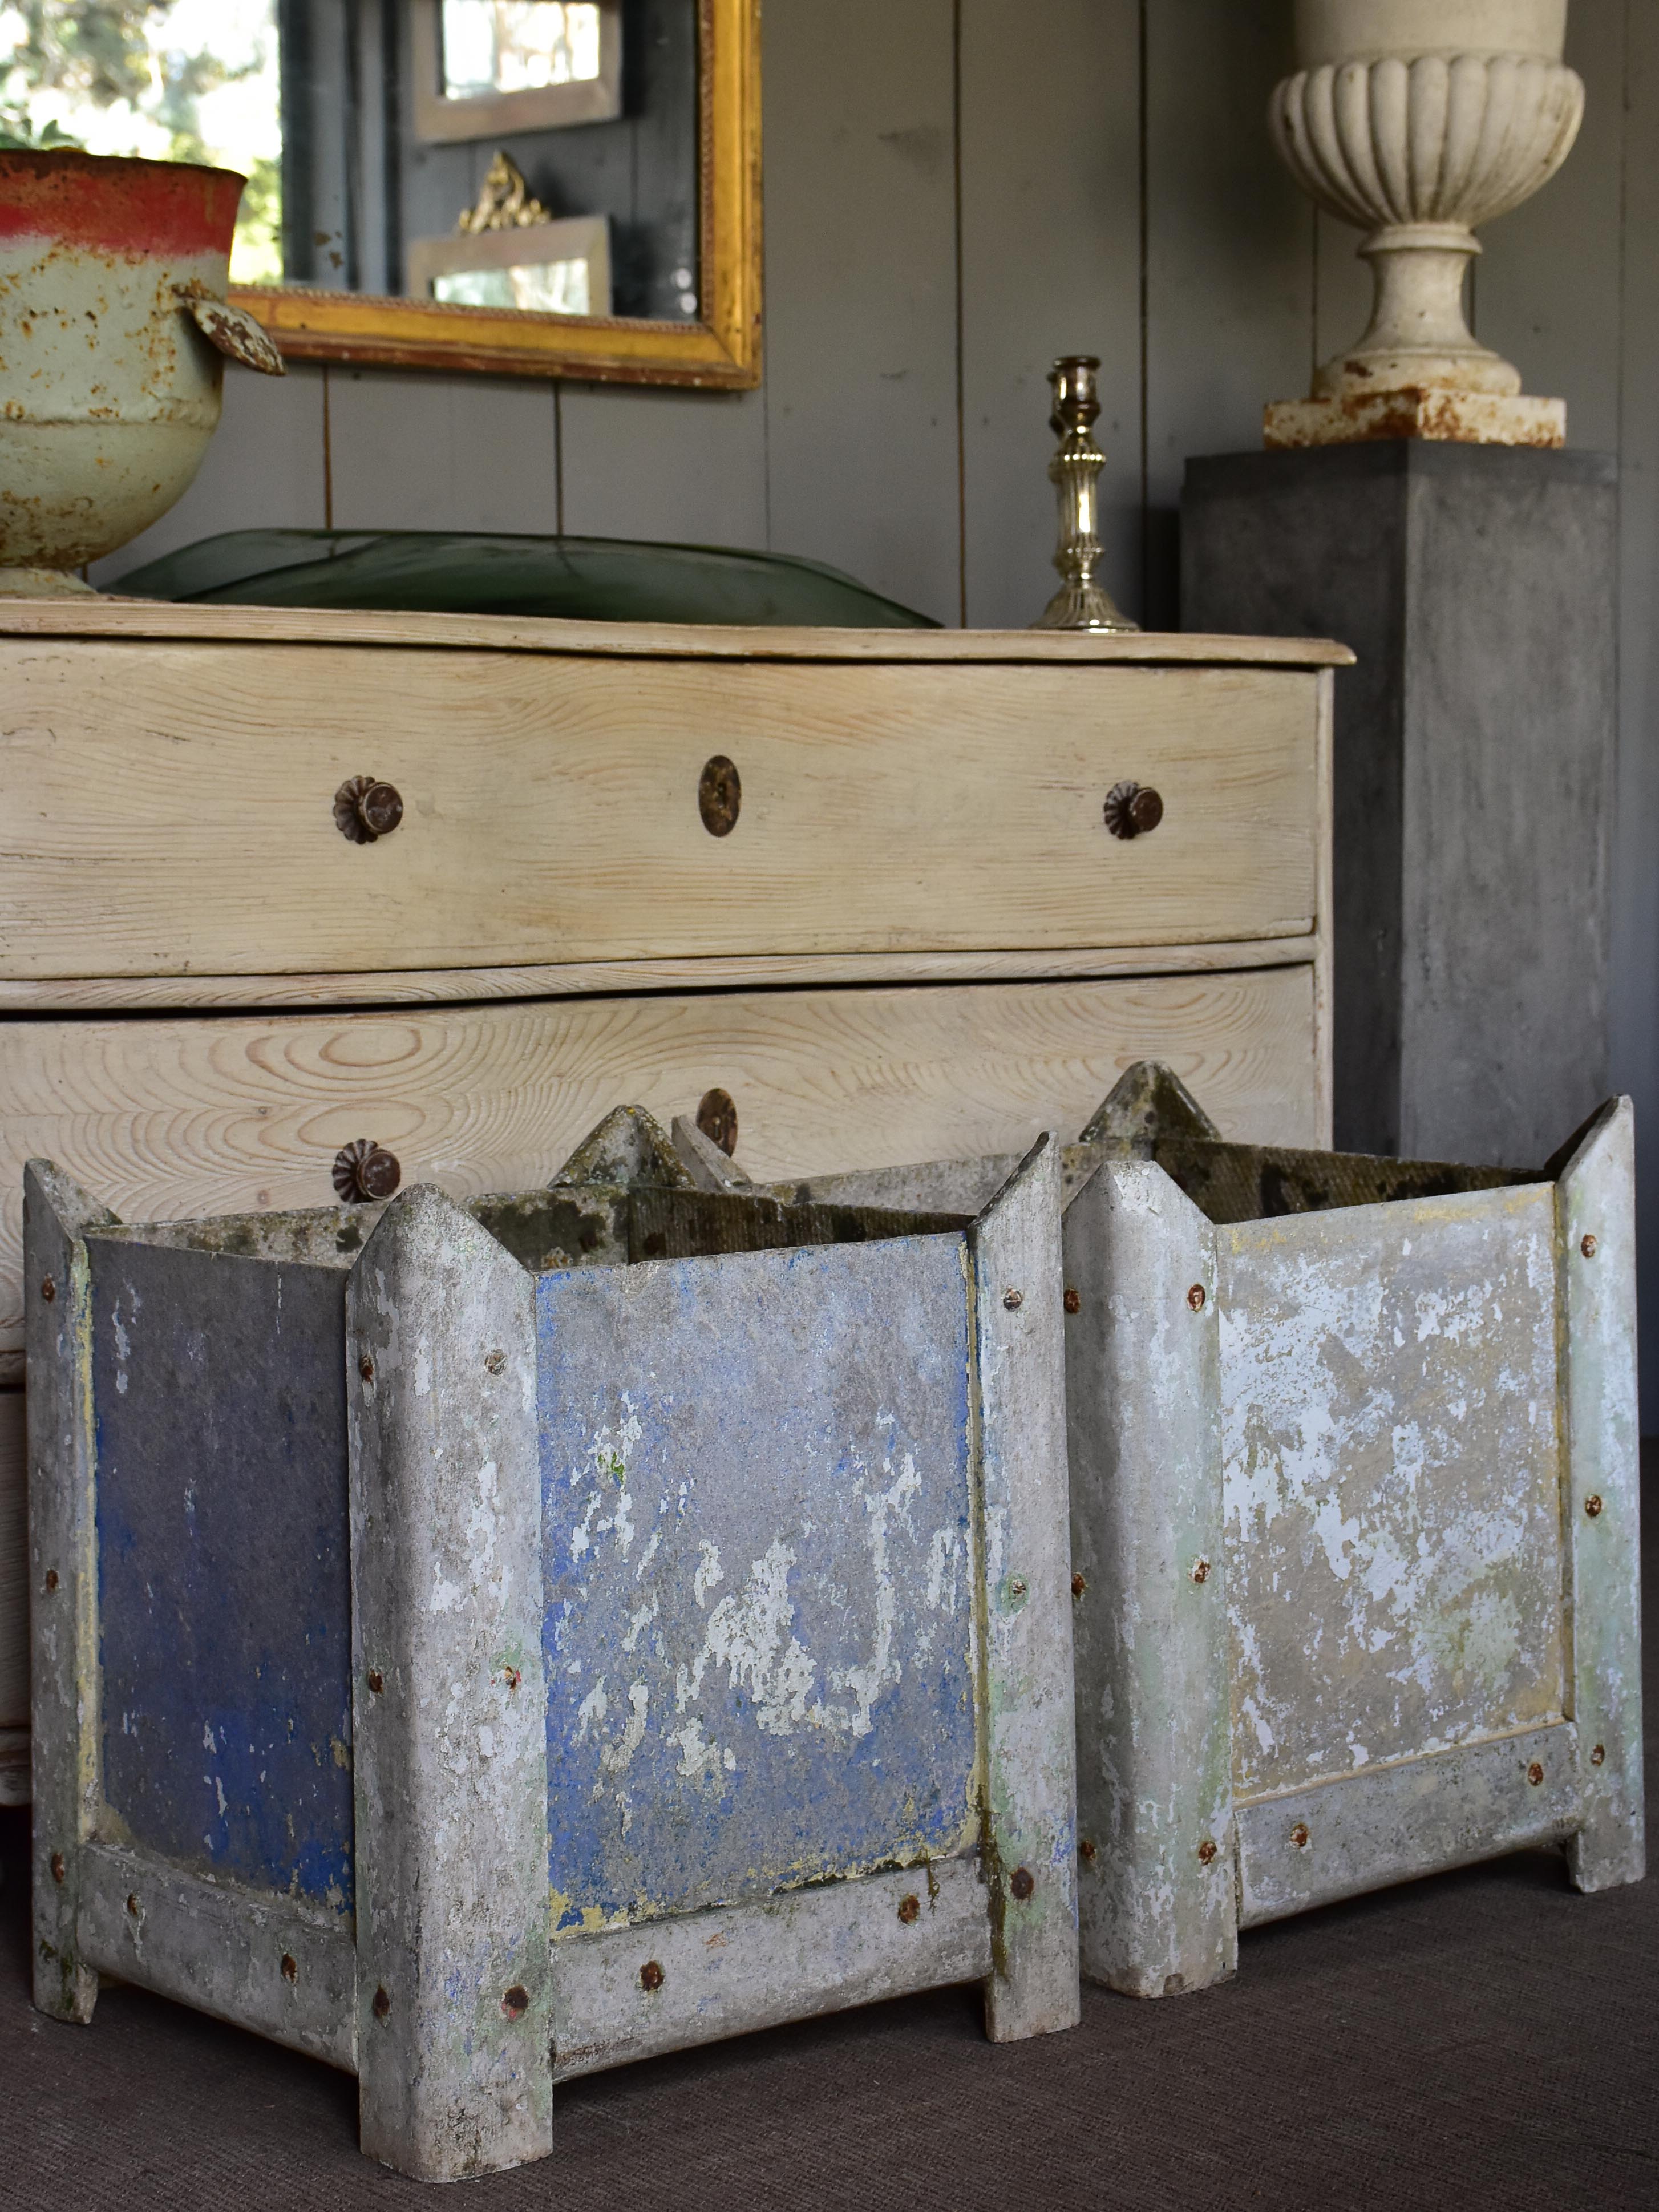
1081,602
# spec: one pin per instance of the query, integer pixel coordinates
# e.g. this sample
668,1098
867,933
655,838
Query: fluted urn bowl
1418,120
113,329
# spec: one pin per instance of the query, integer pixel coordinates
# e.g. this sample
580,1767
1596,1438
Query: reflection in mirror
531,154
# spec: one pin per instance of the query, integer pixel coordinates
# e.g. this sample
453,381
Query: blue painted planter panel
224,1563
755,1489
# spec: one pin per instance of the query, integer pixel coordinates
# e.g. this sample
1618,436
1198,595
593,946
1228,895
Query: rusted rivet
717,1117
364,1171
493,1362
48,1290
909,1909
650,1975
1587,1246
1073,1301
1017,1585
720,796
366,1368
1592,1506
1300,1835
1013,1300
52,1578
1133,810
1206,1851
1195,1297
511,1677
57,1866
1085,1850
1024,1882
132,1904
367,810
290,1968
515,2002
376,1680
382,2005
1200,1570
1078,1585
1598,1754
1534,1774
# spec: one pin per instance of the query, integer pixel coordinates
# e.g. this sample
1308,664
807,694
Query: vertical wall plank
1051,264
1342,288
1229,252
860,302
1634,1039
686,466
1546,287
264,471
418,451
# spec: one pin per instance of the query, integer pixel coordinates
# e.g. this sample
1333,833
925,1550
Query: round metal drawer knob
717,1117
366,809
365,1171
1133,810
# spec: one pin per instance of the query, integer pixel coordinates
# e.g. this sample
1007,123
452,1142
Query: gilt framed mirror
523,187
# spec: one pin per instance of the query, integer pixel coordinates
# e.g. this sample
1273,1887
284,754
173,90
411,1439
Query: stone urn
1418,120
114,331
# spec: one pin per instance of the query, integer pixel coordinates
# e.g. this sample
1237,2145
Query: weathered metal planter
549,1631
1353,1454
112,324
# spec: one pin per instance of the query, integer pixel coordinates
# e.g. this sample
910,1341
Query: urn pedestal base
1473,765
1438,416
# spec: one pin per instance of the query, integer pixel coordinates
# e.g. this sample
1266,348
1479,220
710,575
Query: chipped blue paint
757,1542
224,1577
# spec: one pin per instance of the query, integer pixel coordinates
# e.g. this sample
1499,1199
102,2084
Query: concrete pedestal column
1474,761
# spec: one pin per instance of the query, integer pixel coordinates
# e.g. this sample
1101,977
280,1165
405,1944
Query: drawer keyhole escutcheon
717,1117
720,796
1133,810
364,1171
366,810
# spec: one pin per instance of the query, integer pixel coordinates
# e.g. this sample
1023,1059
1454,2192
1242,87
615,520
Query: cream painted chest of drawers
918,939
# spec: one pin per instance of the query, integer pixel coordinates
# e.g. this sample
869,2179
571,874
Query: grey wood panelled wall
957,191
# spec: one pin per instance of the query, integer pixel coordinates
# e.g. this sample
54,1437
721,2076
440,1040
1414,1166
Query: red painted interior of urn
158,209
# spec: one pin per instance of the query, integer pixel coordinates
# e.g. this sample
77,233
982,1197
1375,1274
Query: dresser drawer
223,1113
550,807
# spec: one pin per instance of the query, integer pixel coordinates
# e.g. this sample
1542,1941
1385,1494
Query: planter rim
116,204
1329,31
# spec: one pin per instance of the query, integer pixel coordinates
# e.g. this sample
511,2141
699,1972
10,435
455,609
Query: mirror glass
537,155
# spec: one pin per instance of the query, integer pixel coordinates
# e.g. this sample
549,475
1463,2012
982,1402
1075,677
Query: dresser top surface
98,616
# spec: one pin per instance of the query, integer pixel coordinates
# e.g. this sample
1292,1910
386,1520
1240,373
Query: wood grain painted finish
550,808
14,1579
229,1112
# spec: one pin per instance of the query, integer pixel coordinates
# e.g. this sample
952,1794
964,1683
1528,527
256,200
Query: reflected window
518,46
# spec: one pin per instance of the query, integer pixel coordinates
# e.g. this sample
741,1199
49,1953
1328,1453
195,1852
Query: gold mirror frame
722,350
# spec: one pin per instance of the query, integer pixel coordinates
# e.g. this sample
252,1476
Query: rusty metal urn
113,330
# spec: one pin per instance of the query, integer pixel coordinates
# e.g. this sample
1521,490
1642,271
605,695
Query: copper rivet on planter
132,1904
1587,1247
57,1866
1300,1835
1078,1585
366,810
1017,1586
717,1117
382,2007
515,2002
1195,1297
48,1290
720,796
909,1909
1200,1570
1024,1882
650,1975
290,1967
1073,1304
376,1680
1592,1506
1085,1850
1534,1774
52,1578
1598,1754
493,1362
1013,1300
366,1368
1206,1851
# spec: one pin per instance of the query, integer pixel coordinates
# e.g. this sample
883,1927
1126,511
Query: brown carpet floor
1485,2039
